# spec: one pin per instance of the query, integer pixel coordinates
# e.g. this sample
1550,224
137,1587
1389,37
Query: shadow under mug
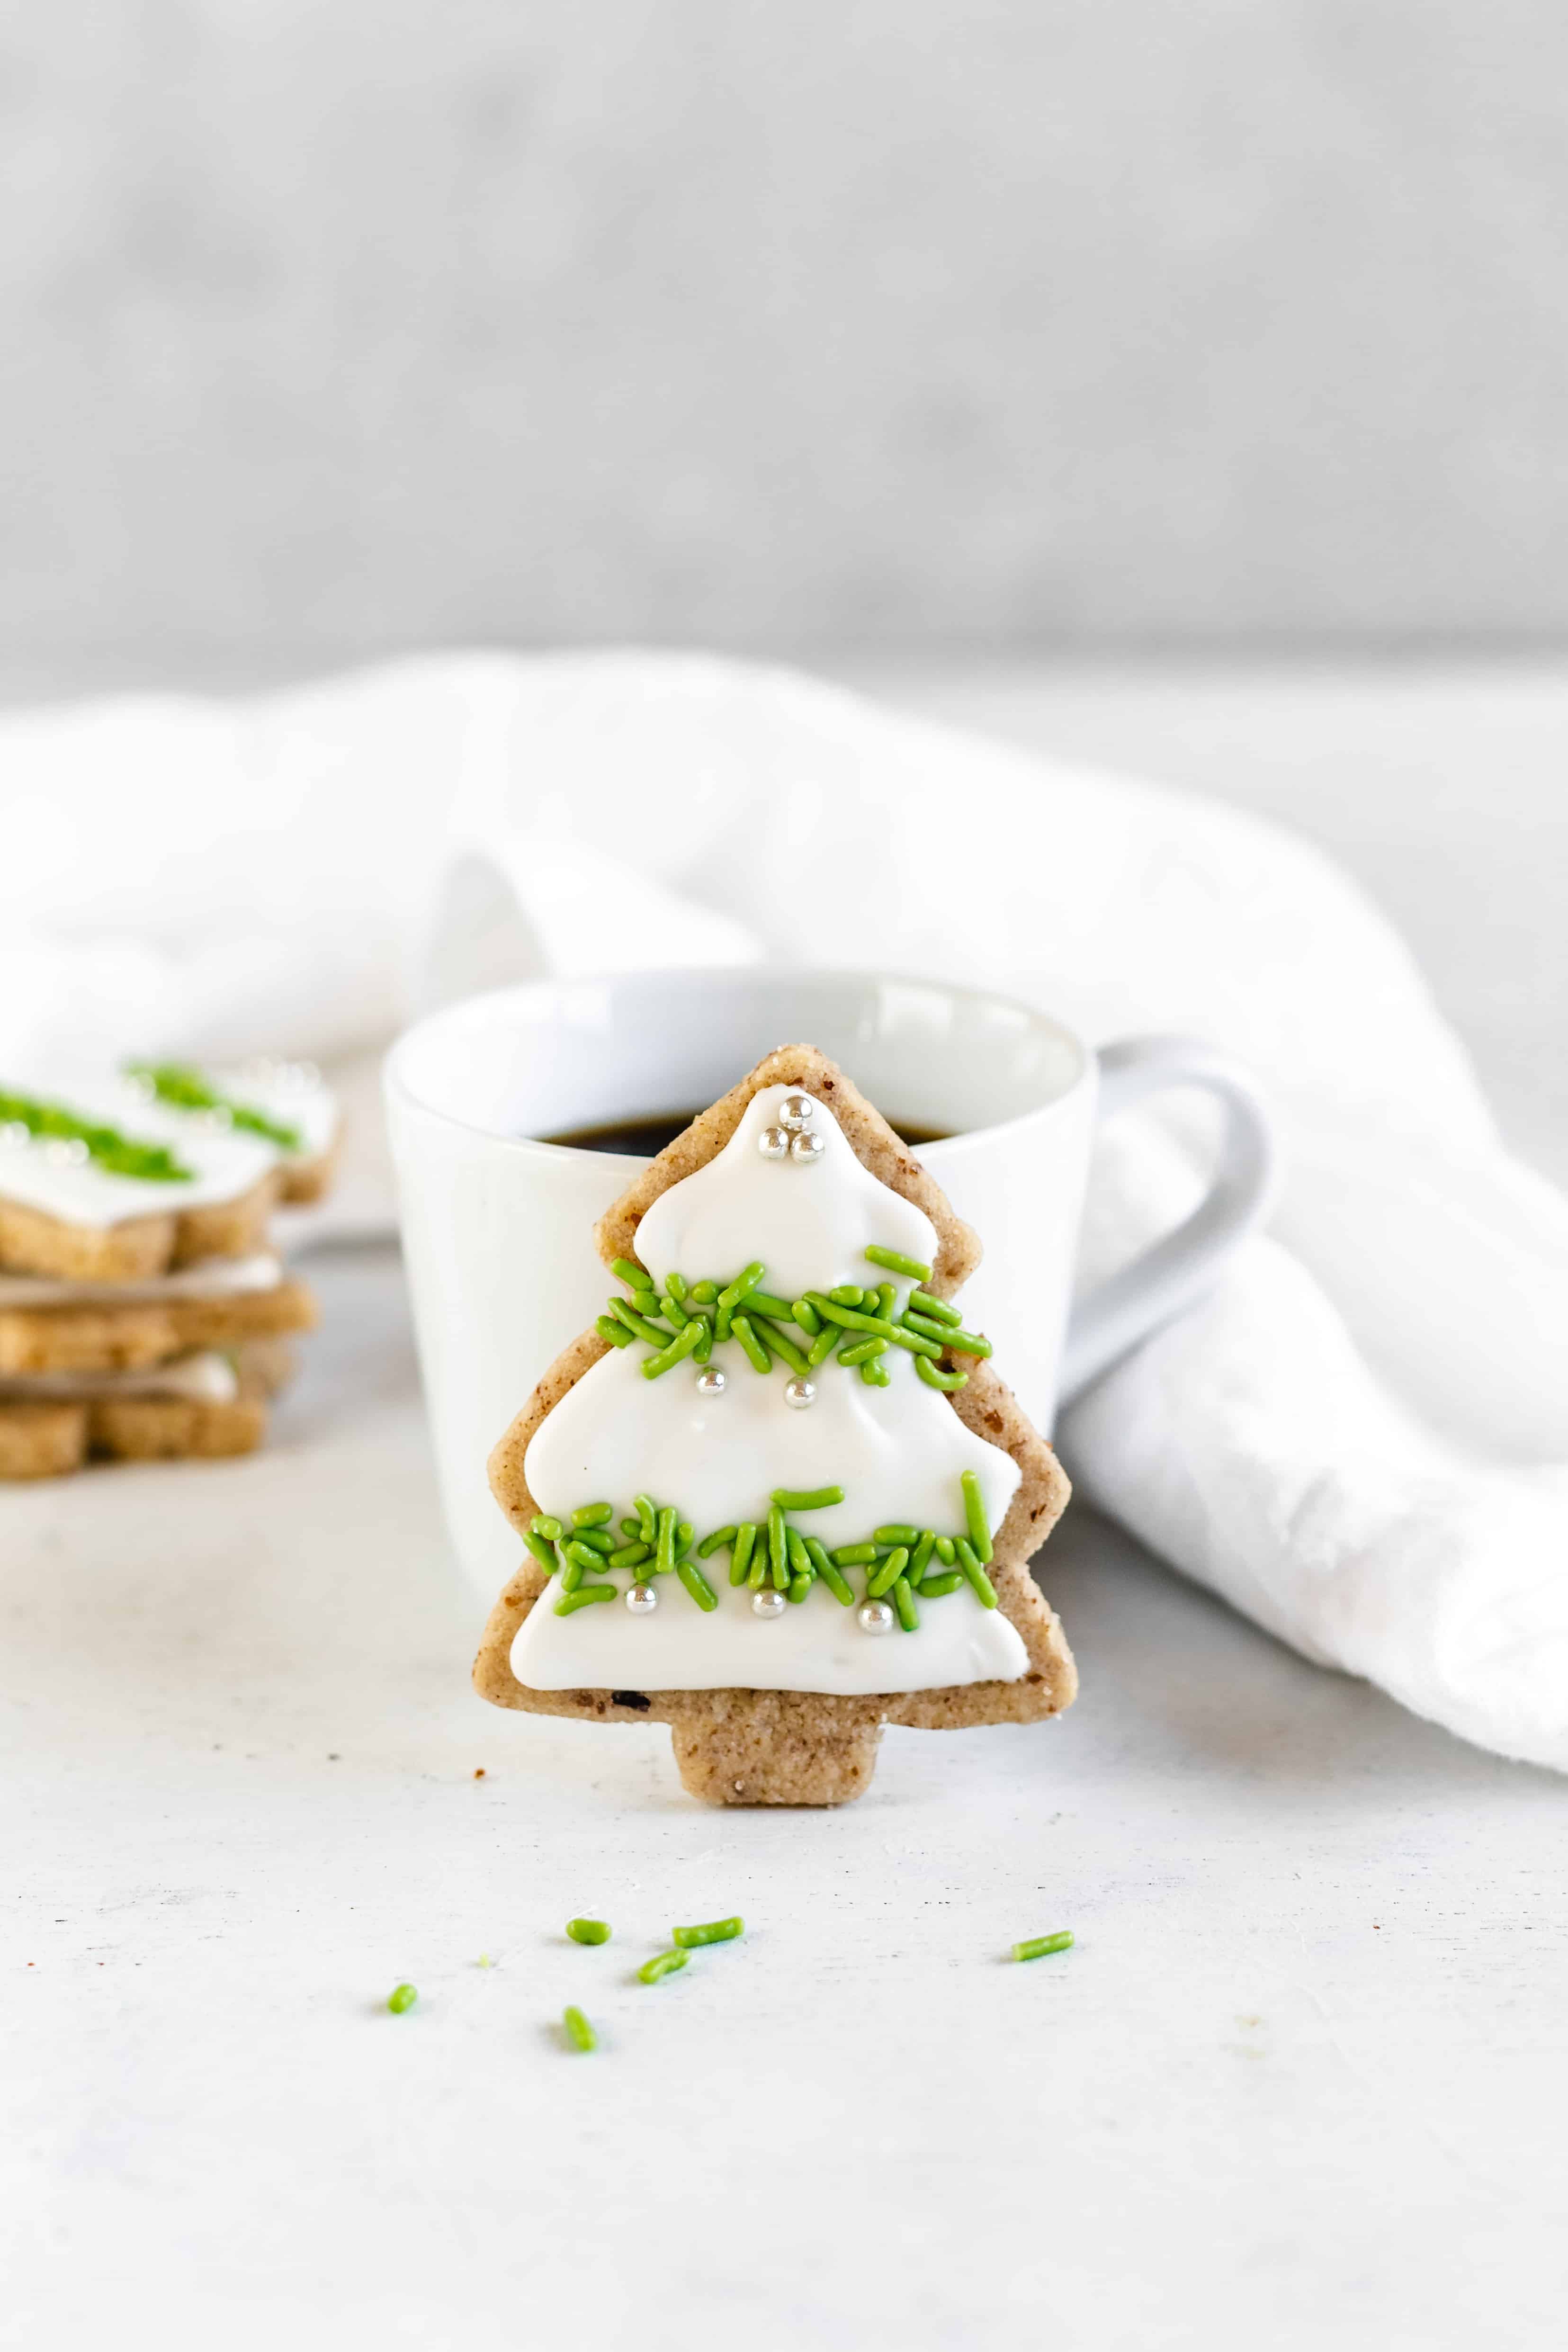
497,1224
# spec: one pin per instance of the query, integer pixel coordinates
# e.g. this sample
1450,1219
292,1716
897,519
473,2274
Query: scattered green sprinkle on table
714,1931
579,2031
589,1931
663,1963
401,1997
1038,1947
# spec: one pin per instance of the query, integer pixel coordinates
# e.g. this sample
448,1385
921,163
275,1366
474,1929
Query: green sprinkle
843,1293
671,1308
647,1517
975,1519
632,1528
896,1262
703,1294
887,1299
853,1320
635,1277
584,1555
799,1587
897,1534
762,1302
823,1345
740,1557
541,1552
663,1963
734,1292
945,1551
799,1558
704,1348
904,1601
599,1539
401,1997
861,1352
593,1515
589,1931
935,1588
183,1088
579,2031
683,1536
923,1303
837,1585
656,1334
666,1551
966,1343
782,1344
116,1154
1036,1947
777,1551
715,1931
756,1353
757,1575
717,1541
630,1555
935,1380
807,1498
616,1333
859,1555
675,1353
570,1572
583,1597
675,1283
874,1374
721,1324
807,1316
882,1580
969,1563
920,1555
696,1584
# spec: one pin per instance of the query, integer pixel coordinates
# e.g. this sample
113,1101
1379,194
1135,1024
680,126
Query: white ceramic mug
497,1224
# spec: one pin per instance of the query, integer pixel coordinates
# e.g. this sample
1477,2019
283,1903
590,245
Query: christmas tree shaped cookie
777,1498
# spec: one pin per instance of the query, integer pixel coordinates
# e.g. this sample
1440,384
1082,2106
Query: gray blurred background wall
333,325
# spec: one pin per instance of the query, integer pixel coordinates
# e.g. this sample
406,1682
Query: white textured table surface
1301,2080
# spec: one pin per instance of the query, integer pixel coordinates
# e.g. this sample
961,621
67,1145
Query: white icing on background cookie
898,1451
213,1277
224,1161
205,1377
293,1093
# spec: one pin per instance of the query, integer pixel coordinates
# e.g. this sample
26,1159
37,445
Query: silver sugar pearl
642,1599
799,1393
773,1143
768,1602
806,1147
797,1111
710,1380
876,1617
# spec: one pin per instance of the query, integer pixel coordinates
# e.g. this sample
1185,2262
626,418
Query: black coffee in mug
645,1137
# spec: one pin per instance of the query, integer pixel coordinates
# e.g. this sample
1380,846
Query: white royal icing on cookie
204,1377
898,1451
293,1093
213,1277
40,1174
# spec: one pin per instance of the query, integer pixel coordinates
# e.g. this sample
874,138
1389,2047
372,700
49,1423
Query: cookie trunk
736,1759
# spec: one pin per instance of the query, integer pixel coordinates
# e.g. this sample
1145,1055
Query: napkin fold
1360,1437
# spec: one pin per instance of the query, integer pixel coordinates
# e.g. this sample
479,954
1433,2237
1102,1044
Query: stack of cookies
143,1312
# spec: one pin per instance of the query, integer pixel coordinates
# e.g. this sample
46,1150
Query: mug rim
397,1083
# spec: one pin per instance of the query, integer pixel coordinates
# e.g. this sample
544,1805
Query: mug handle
1110,1321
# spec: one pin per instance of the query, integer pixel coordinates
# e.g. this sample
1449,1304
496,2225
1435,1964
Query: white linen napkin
1361,1437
